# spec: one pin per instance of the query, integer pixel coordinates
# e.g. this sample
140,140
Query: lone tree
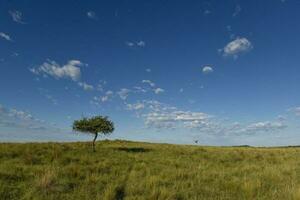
94,125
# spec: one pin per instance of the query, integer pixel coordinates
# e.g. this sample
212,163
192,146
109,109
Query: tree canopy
94,125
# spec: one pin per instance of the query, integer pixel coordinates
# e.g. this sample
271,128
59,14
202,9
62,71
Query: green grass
130,170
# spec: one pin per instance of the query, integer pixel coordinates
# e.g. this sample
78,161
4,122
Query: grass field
130,170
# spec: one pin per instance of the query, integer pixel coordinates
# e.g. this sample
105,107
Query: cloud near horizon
12,118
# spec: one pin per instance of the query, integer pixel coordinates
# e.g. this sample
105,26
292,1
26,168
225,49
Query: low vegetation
128,170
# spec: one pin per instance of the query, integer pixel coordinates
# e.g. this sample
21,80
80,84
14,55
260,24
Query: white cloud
237,10
295,110
108,95
123,93
86,86
70,70
5,36
158,90
136,106
162,116
138,44
258,127
16,16
138,89
130,44
236,47
207,69
149,82
13,118
141,43
148,70
91,15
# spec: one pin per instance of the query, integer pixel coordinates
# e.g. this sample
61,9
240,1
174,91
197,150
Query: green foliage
97,124
144,171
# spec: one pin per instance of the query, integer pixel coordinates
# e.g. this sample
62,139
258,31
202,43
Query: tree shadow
133,149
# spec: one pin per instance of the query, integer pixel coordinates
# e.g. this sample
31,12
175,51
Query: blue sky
223,73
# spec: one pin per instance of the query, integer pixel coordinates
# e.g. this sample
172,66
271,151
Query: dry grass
136,171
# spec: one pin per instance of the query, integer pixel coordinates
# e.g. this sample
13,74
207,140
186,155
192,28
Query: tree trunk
96,135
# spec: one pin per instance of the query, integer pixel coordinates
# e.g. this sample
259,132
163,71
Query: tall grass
129,170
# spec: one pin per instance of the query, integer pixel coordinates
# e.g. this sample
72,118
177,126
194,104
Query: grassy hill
130,170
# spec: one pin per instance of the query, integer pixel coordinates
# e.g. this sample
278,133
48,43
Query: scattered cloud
123,93
45,93
138,89
158,90
149,82
207,69
237,10
91,15
259,127
5,36
295,111
12,118
130,44
16,16
140,43
236,47
135,106
162,116
51,68
108,95
100,85
86,86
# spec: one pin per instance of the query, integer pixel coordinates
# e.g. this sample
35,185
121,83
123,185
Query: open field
130,170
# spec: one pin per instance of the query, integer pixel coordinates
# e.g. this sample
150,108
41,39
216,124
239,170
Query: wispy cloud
101,99
158,90
140,43
13,118
86,86
123,93
17,16
149,82
162,116
237,46
237,10
45,93
261,127
5,36
135,106
295,110
92,15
